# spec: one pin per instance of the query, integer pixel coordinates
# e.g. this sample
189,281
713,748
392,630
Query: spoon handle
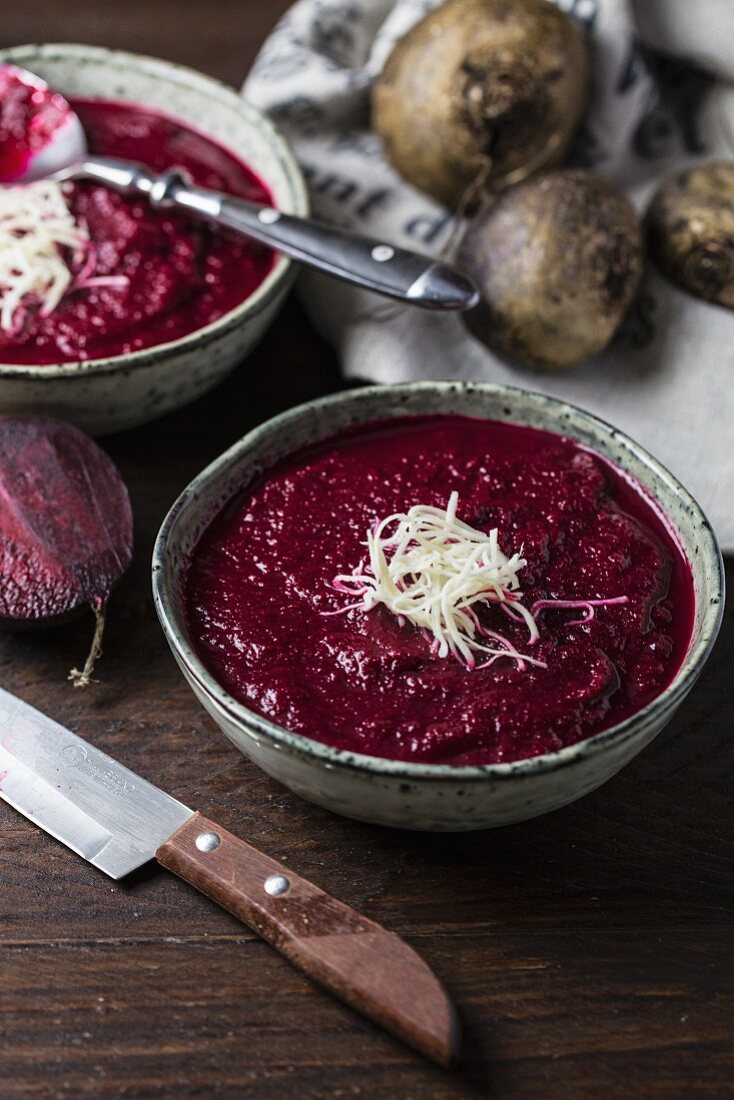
372,264
366,262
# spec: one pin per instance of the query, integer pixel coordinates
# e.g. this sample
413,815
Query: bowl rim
277,279
642,721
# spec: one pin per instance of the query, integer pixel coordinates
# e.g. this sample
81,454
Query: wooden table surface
590,952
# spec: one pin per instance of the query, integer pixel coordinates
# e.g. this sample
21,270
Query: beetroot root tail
82,678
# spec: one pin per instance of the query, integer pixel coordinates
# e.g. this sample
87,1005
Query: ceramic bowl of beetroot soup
188,301
354,709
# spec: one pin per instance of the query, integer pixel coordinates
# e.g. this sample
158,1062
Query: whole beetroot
690,231
557,261
480,94
65,526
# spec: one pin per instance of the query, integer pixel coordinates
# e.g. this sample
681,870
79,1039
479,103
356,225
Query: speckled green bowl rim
281,273
638,723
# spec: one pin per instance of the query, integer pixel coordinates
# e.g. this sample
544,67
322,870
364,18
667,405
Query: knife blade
118,821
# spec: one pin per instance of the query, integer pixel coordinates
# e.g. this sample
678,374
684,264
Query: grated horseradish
431,569
44,253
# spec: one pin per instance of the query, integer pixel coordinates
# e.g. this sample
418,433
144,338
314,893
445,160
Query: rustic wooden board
590,952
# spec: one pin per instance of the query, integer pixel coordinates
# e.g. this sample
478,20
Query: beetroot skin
65,523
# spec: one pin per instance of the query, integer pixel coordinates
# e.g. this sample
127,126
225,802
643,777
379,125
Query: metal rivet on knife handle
277,885
207,842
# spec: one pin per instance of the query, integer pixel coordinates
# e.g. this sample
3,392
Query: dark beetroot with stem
65,527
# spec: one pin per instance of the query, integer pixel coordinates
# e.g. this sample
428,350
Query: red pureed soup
30,113
162,273
589,619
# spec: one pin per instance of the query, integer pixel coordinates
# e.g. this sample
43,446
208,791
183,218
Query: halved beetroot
65,526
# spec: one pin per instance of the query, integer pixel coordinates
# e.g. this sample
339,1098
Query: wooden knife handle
368,967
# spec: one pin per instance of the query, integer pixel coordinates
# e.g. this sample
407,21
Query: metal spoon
373,264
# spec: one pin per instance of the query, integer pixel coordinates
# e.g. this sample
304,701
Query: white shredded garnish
44,253
429,568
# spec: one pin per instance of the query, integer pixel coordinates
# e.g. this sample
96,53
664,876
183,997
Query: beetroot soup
141,276
30,113
442,590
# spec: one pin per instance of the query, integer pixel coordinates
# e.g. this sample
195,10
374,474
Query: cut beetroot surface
65,521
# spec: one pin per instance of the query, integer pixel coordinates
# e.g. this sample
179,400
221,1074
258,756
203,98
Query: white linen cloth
668,377
700,30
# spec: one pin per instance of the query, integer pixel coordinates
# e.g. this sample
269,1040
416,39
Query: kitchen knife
118,821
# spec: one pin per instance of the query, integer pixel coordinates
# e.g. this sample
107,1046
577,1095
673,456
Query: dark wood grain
220,37
363,964
590,952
